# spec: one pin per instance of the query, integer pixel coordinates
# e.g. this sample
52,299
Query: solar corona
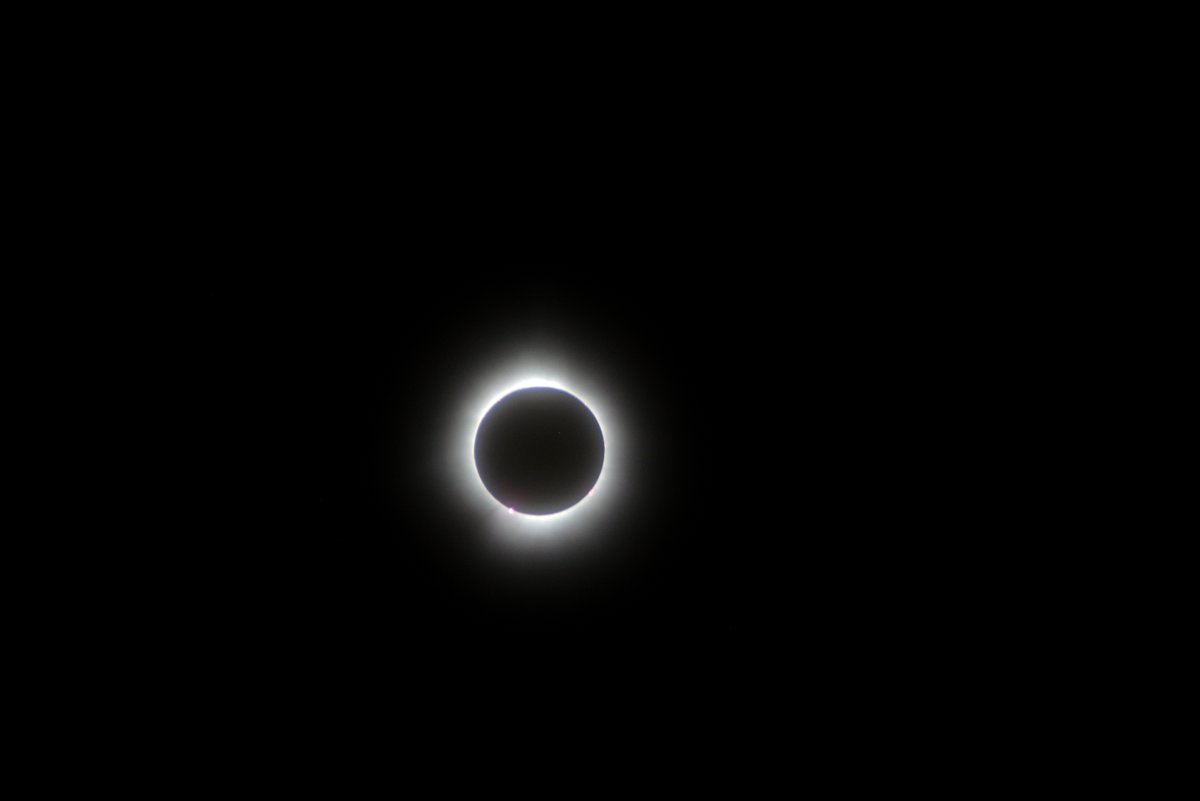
539,451
539,454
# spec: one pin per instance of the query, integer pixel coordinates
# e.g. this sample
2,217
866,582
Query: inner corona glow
534,383
514,525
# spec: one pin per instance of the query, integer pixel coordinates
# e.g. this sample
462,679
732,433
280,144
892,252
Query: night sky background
318,284
812,258
784,529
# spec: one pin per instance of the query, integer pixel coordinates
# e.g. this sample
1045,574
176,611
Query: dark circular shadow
539,450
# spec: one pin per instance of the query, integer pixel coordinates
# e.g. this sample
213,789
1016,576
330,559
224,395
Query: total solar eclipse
539,450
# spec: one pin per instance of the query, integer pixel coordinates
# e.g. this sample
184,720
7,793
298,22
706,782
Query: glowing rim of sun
599,500
537,383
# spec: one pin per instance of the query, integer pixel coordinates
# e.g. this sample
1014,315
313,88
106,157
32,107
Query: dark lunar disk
539,450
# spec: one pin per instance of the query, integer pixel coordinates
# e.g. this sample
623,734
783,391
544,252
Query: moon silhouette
539,450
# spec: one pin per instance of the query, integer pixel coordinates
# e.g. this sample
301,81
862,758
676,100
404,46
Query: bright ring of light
576,520
540,383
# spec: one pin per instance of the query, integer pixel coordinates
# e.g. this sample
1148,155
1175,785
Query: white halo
571,523
540,383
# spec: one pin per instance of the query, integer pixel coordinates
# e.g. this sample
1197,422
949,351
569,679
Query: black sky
318,530
798,265
779,330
